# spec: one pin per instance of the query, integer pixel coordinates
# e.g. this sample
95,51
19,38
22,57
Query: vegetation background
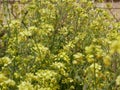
58,45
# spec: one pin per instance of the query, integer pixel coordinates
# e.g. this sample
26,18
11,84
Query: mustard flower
118,80
25,86
107,60
3,78
115,46
6,60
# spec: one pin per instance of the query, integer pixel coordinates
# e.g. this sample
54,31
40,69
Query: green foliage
59,45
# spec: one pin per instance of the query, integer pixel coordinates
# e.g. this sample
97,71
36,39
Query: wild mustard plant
59,45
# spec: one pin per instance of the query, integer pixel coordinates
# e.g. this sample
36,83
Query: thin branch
107,8
117,20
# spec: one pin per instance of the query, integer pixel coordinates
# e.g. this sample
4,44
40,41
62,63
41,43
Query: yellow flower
78,56
6,61
25,86
10,82
115,46
96,66
107,60
90,58
2,78
89,49
75,62
118,80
